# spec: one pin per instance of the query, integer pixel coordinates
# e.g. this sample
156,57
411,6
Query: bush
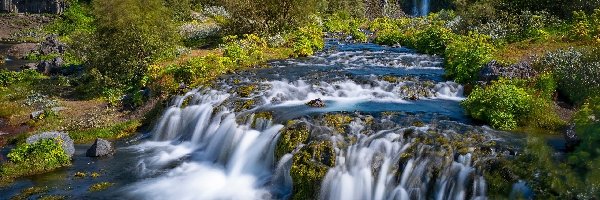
502,104
585,27
432,40
268,16
306,40
245,51
8,78
29,159
116,131
129,36
576,72
76,18
466,56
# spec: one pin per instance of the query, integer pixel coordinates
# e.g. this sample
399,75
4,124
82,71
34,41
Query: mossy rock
246,91
294,134
338,122
244,105
309,168
261,115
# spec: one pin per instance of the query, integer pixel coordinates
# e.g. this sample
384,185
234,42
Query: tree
252,16
130,35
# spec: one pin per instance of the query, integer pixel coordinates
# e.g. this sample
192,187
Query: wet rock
62,138
571,138
317,103
100,148
494,70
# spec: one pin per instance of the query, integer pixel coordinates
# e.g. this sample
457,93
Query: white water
369,170
347,91
204,156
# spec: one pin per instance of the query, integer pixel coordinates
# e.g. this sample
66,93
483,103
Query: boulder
36,114
50,66
51,45
494,71
29,66
62,138
100,148
317,103
571,138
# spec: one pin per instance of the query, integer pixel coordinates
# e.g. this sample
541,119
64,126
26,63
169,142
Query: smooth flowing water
212,143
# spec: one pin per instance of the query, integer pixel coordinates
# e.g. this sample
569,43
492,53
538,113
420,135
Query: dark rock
100,148
50,66
317,103
60,137
494,71
571,138
33,6
51,45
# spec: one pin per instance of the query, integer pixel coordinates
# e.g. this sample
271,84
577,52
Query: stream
408,137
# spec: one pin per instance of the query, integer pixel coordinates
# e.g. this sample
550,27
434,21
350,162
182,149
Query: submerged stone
317,103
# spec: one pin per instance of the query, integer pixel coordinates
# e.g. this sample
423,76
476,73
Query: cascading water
202,155
402,134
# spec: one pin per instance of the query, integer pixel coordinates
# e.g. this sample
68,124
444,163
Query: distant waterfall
420,8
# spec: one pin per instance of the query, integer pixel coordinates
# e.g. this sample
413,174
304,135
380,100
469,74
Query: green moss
309,167
244,105
117,131
246,91
294,134
30,159
28,192
53,197
100,186
262,115
337,121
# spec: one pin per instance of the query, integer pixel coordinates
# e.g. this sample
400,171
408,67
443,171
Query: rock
36,114
51,45
571,138
37,6
317,103
62,138
494,70
50,67
100,148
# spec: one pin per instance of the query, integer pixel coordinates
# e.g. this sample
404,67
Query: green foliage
8,78
432,40
502,104
585,27
587,121
309,167
341,22
29,159
245,51
77,17
466,56
576,72
129,36
306,40
116,131
294,134
269,16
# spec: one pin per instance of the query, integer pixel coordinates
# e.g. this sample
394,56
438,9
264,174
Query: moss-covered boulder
338,122
309,167
294,134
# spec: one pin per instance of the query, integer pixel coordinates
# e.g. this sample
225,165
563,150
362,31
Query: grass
117,131
518,51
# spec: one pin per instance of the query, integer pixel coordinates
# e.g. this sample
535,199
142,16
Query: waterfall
370,170
201,152
420,8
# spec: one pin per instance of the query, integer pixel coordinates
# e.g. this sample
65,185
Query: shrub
576,72
306,40
466,56
502,104
432,40
245,51
29,159
77,17
585,27
8,78
116,131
